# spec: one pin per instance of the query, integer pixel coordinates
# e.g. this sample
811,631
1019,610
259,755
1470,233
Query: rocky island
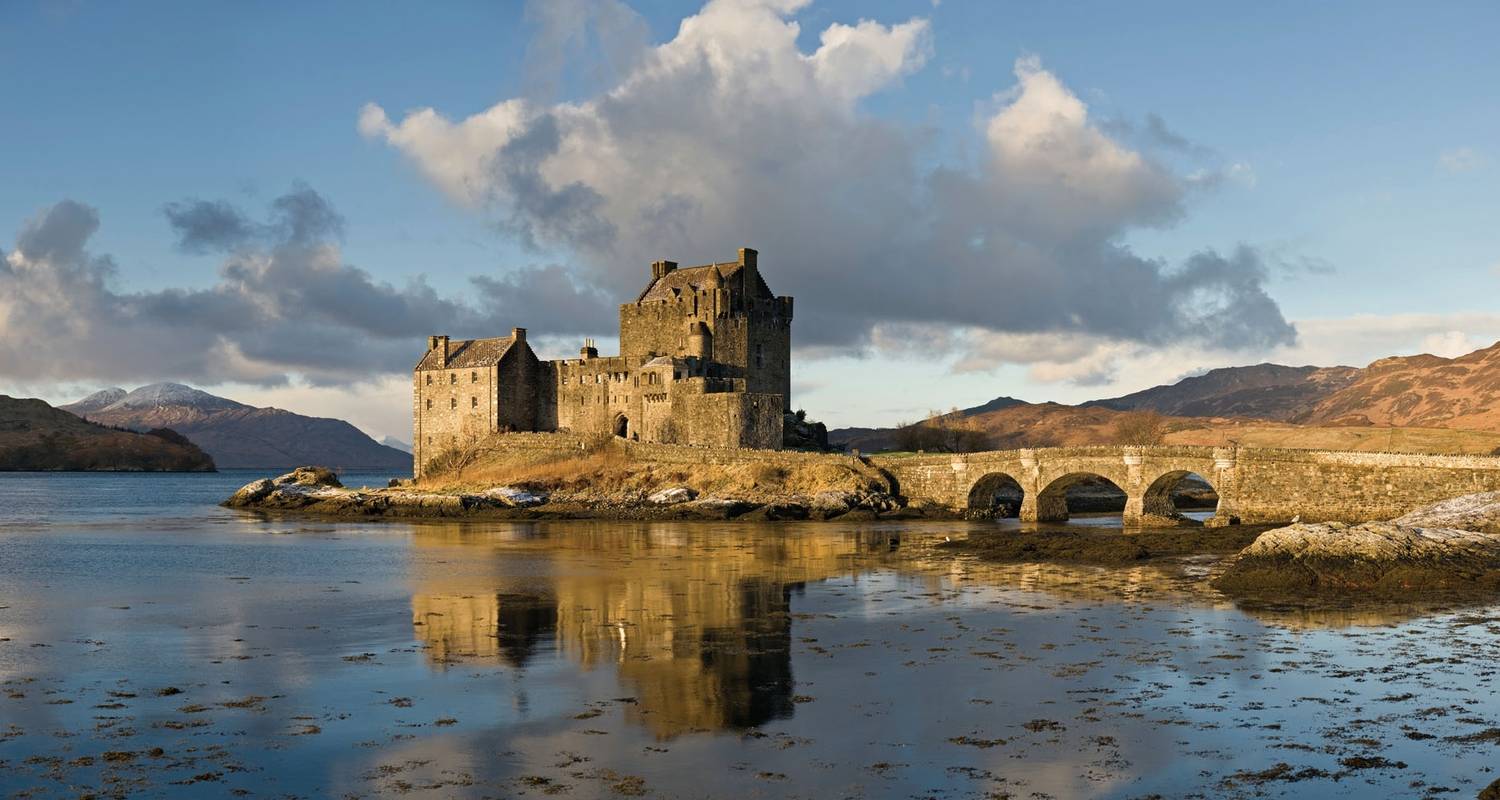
603,484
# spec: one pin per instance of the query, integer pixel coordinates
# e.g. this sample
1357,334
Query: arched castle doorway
622,426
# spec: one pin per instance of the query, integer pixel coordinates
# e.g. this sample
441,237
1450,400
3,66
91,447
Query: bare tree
943,433
1142,427
470,446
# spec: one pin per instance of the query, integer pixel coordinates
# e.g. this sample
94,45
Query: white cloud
1463,159
730,135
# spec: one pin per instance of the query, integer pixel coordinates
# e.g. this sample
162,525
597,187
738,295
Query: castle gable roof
681,281
469,353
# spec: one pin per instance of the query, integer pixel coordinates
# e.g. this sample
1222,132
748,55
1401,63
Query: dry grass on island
609,473
601,482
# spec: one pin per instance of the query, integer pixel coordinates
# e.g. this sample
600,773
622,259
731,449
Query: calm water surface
154,645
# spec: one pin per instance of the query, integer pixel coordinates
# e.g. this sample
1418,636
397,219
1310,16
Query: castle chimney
519,334
750,272
588,350
440,344
660,268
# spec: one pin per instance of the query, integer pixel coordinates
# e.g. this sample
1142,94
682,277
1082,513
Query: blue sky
1353,146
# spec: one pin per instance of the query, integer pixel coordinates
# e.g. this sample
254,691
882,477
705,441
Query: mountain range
36,436
1422,402
238,435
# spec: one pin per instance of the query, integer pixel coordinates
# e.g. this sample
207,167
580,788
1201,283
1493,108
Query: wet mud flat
269,658
1102,544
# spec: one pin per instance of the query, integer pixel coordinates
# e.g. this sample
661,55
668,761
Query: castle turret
660,268
700,341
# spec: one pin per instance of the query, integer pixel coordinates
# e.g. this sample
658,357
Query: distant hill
239,435
36,436
1425,390
396,444
1263,391
1270,405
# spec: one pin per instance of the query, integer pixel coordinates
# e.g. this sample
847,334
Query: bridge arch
1052,501
996,494
1158,502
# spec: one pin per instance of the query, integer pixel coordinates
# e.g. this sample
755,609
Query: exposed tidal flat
153,644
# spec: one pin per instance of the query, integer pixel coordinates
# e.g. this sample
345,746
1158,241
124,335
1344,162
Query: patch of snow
158,395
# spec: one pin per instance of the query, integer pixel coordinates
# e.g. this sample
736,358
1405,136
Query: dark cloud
298,218
285,302
205,226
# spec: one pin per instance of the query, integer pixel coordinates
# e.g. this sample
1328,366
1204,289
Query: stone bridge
1253,484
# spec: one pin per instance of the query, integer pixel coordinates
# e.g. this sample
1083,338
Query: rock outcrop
1472,512
1454,544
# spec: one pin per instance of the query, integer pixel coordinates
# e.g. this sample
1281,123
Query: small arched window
429,379
473,402
453,402
453,377
429,404
473,377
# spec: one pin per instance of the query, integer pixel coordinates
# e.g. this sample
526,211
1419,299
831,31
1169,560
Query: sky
278,202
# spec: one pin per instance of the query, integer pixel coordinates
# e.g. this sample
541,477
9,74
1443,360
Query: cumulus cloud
731,135
285,303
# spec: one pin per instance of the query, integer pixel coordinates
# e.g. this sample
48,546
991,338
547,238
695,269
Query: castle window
429,404
429,379
565,380
473,402
453,377
453,402
473,377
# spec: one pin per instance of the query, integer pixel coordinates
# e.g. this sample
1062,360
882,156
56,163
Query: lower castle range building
705,360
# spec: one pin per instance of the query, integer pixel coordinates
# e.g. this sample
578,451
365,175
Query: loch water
153,644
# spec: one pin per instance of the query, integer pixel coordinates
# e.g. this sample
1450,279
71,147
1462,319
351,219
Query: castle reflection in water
696,620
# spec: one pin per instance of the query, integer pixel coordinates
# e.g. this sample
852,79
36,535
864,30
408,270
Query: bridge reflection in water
696,620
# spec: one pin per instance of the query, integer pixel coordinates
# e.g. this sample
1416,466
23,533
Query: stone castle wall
450,406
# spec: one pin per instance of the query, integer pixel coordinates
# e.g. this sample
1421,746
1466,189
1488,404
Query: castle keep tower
705,359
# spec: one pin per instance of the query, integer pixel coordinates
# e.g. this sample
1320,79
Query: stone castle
705,360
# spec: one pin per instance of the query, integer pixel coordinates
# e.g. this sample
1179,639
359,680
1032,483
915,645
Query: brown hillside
36,436
1423,391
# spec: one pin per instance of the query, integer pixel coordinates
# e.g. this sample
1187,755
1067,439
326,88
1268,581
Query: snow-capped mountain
98,401
239,435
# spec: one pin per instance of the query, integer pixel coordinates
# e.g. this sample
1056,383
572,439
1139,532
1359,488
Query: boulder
772,512
309,476
251,493
1471,512
511,497
833,502
711,508
1381,557
672,496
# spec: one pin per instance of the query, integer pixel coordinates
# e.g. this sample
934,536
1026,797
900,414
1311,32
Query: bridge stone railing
1254,484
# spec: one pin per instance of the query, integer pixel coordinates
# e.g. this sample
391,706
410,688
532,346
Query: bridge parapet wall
1254,485
1319,485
